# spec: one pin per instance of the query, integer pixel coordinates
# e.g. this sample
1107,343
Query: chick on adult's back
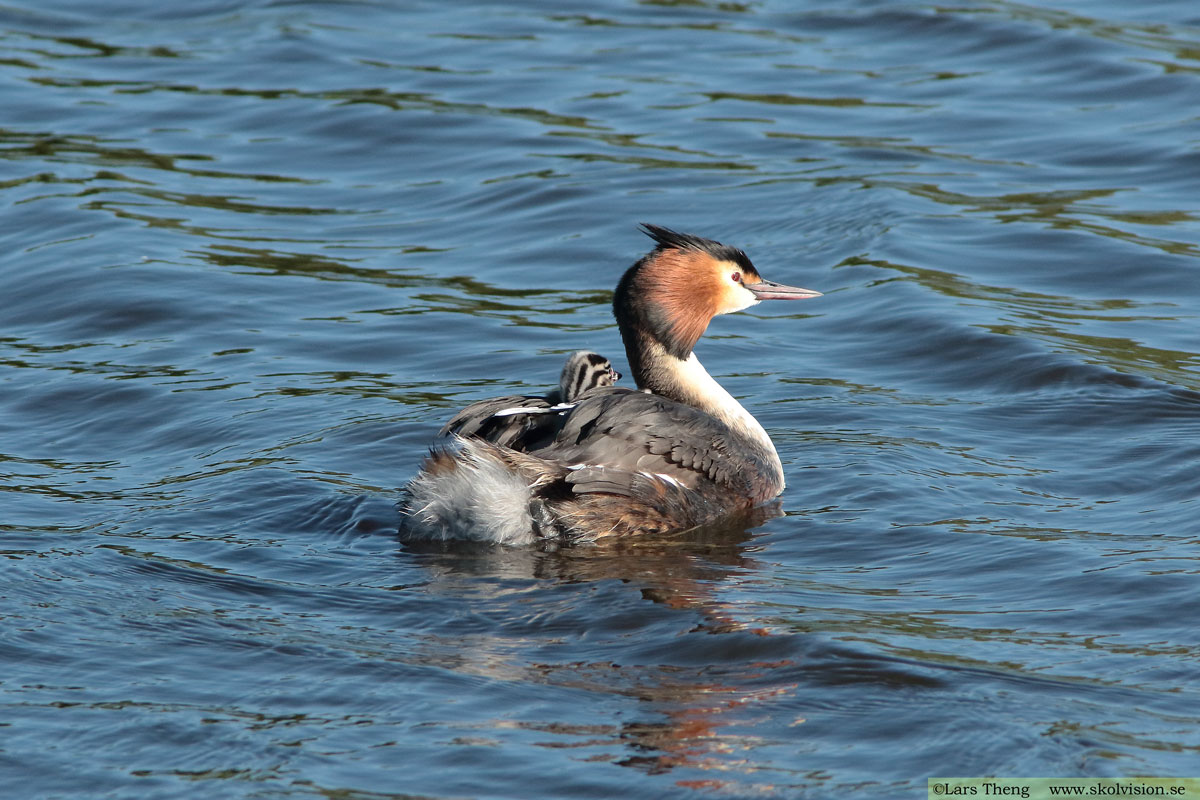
679,453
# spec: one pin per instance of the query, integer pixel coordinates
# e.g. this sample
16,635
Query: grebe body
677,453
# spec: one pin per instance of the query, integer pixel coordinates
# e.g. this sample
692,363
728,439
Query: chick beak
767,290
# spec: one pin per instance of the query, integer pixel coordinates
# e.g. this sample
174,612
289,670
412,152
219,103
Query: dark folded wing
521,423
616,439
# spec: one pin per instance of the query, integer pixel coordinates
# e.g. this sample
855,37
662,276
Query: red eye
736,277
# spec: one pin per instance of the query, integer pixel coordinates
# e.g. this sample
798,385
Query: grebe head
583,372
673,292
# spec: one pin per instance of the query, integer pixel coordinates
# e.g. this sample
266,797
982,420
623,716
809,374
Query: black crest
667,239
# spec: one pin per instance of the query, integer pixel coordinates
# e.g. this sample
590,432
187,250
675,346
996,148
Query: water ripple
255,255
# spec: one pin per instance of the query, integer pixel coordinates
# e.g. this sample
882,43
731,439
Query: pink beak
766,290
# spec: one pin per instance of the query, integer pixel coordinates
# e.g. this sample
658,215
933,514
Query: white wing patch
662,476
512,412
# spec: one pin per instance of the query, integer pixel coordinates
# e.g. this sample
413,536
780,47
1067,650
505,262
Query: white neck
688,382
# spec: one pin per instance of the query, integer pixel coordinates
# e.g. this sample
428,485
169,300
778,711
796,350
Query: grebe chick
526,422
677,454
583,372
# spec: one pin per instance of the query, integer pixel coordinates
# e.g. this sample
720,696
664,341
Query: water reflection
701,685
673,567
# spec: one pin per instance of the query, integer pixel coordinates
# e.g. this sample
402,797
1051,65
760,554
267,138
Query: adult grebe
677,454
517,421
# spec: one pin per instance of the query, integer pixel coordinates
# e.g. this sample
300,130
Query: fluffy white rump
479,500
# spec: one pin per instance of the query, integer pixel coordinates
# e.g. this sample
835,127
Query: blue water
255,254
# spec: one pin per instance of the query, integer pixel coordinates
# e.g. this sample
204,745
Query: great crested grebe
517,421
676,454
